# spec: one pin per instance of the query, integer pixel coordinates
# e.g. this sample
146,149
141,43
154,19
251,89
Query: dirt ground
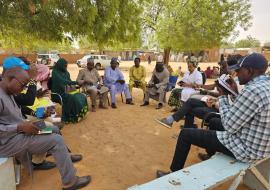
121,147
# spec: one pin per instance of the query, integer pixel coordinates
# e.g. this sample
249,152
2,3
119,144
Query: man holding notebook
19,138
246,122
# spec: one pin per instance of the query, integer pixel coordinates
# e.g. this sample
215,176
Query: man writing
246,122
157,85
18,138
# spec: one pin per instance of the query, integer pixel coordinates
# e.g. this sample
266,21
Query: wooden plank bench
211,173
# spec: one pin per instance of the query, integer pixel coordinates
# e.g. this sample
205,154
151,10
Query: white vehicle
47,59
101,61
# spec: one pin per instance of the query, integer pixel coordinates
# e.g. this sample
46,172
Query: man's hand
180,83
120,81
99,86
211,102
27,128
233,84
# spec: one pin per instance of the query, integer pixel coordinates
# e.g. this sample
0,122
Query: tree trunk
166,57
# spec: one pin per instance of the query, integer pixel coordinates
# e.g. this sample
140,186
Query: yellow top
137,73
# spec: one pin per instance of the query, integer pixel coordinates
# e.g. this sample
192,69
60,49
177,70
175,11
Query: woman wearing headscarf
74,106
190,80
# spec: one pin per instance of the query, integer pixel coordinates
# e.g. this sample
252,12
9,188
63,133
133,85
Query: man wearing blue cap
246,122
114,80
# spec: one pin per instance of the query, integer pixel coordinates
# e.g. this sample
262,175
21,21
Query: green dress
175,98
75,106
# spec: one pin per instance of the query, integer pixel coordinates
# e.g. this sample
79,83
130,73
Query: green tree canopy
249,42
101,22
183,25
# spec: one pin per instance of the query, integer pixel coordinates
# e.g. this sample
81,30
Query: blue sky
260,10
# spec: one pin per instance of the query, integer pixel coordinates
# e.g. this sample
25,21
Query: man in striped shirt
246,123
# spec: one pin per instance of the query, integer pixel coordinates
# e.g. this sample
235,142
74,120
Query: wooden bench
212,173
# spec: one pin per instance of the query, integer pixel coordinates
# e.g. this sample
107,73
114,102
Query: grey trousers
93,93
21,145
155,92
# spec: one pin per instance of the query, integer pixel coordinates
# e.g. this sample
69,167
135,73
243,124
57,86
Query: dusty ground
121,147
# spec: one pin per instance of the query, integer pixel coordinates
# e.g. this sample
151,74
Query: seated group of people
243,129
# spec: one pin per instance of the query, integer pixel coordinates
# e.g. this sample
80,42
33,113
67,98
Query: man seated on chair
157,85
246,122
91,82
19,138
137,76
114,80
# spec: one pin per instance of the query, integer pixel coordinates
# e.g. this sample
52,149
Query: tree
101,22
188,25
249,42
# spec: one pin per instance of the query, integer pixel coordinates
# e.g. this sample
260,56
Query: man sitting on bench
19,138
246,121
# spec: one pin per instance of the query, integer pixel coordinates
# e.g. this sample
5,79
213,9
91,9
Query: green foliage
249,42
195,24
104,23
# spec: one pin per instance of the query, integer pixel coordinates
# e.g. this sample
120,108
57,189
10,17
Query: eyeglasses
22,84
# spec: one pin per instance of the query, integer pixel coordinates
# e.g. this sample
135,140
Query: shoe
76,157
113,106
164,122
145,103
93,109
159,106
103,107
129,101
45,165
80,183
174,110
161,173
203,156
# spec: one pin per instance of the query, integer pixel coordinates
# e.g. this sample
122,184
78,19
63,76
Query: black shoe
145,103
203,157
113,106
45,165
160,105
80,183
129,101
161,173
76,157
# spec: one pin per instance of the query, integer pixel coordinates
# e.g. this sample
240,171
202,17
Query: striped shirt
247,121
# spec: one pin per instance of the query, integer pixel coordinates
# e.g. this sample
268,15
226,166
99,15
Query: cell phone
40,124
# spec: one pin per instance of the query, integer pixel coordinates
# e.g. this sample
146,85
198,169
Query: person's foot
103,107
79,183
174,110
129,101
76,157
145,103
203,156
159,106
164,122
161,173
113,106
93,109
45,165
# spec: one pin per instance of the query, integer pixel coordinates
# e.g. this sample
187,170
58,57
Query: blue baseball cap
11,62
254,60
